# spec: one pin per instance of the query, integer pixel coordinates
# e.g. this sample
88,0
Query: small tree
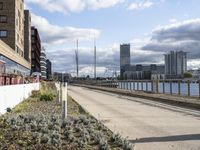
187,75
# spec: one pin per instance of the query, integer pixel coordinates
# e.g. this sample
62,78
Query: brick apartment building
12,35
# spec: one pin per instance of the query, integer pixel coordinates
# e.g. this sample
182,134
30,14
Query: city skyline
152,27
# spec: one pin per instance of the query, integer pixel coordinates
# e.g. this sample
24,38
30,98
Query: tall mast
95,59
77,59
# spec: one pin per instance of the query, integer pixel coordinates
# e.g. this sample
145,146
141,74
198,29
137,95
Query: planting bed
37,124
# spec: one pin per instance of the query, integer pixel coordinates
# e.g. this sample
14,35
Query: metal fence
172,87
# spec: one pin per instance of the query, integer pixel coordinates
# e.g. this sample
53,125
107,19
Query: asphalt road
150,125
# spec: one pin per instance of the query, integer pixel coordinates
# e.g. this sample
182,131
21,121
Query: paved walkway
150,125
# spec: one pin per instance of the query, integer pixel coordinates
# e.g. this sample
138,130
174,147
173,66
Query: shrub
35,93
47,97
187,75
127,145
8,109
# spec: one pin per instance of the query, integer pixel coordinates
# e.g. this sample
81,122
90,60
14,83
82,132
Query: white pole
64,101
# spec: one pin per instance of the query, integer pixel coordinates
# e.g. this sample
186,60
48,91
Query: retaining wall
12,95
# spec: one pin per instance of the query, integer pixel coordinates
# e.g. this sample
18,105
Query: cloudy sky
153,27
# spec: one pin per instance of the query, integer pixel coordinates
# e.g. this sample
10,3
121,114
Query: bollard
64,102
188,88
64,110
179,87
58,96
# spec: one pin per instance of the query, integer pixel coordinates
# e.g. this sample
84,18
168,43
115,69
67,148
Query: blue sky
153,27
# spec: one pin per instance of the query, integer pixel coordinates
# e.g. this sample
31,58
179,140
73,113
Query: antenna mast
95,59
77,60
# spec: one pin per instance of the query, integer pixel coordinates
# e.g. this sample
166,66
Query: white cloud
140,5
173,20
68,6
54,34
183,35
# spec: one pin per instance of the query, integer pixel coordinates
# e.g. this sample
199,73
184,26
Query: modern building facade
144,72
35,50
138,72
27,35
43,64
125,57
12,37
49,69
175,64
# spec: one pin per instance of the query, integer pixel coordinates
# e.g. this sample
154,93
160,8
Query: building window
3,19
1,5
3,33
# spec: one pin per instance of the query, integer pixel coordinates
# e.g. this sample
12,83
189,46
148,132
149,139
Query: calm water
194,87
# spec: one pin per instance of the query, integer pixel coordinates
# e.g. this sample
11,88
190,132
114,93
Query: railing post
163,87
130,85
146,85
137,85
179,87
126,84
157,86
152,86
199,88
188,88
142,85
171,87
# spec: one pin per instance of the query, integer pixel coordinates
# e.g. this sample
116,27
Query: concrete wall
12,95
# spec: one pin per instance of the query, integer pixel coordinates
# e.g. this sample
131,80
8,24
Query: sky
152,27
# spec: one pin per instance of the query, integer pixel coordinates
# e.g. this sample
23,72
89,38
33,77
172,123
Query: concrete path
150,125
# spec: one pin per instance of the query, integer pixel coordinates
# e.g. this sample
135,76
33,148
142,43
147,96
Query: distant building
175,64
35,50
12,37
138,72
196,74
43,64
27,35
62,76
144,72
125,57
49,69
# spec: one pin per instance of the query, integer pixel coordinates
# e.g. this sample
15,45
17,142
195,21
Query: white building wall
12,95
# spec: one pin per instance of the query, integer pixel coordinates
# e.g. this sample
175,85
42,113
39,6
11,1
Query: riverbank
37,124
184,101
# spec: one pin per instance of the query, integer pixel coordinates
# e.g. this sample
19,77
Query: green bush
47,97
187,75
8,110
